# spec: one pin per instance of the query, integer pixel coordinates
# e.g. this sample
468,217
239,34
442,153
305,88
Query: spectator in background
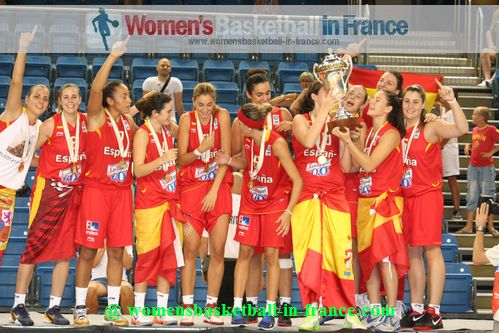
450,158
98,283
306,78
166,84
487,55
481,170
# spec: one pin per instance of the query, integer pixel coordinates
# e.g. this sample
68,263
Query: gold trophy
334,73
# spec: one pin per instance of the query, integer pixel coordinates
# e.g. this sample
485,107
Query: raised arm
14,105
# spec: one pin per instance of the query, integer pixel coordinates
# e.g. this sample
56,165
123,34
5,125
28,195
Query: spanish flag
369,79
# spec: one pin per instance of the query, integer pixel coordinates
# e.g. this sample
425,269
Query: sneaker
387,324
430,321
20,316
367,319
141,320
410,319
116,319
284,319
188,317
311,323
165,320
237,320
53,315
267,323
211,316
485,83
325,319
400,310
456,215
353,322
80,316
251,319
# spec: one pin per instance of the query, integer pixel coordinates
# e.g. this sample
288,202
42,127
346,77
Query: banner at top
249,29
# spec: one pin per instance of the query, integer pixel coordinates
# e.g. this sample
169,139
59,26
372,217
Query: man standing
166,84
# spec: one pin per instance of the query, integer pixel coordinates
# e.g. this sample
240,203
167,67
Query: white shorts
450,162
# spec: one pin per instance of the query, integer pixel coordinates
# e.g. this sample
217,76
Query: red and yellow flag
369,79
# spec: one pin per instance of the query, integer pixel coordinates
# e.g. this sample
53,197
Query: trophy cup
335,71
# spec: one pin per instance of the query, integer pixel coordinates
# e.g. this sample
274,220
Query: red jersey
482,141
495,293
271,183
159,186
316,176
387,176
199,170
423,166
367,118
274,118
4,125
105,166
55,159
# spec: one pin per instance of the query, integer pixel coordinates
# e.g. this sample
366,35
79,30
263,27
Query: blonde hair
484,112
255,111
204,88
306,77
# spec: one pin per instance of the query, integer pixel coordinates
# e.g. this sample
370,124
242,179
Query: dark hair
400,81
417,88
396,116
255,76
155,101
255,111
307,104
108,91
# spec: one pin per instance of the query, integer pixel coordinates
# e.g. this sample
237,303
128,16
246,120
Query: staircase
460,75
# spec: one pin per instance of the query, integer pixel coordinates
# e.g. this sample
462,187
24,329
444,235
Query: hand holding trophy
334,73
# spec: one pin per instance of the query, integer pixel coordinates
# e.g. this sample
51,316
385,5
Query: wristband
453,101
197,152
230,160
479,229
289,212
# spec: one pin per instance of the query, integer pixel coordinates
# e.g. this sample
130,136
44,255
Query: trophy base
351,123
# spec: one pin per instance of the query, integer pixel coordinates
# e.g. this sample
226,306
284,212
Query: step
483,300
461,185
474,100
484,281
410,60
468,111
460,82
464,161
466,241
435,70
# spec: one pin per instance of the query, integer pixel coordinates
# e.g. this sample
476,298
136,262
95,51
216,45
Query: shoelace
56,311
81,313
23,312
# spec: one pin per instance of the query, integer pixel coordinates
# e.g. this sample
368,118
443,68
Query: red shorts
191,202
105,214
259,230
352,196
288,245
422,219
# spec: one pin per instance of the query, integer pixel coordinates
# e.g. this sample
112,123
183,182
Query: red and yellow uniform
482,141
322,242
264,198
106,205
157,236
196,179
379,221
422,190
56,196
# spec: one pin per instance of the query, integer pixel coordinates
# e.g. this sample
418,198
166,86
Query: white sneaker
387,324
311,323
353,322
400,310
141,320
210,316
164,320
485,83
188,317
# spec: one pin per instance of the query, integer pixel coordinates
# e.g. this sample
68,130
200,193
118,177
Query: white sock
211,299
162,300
283,300
270,308
19,299
54,300
140,299
362,300
188,299
435,307
113,295
238,302
418,307
253,300
81,296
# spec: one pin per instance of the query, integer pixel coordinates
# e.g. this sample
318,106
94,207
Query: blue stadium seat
81,83
38,66
237,56
372,67
200,56
290,72
137,89
64,37
187,90
19,230
215,70
143,68
244,66
21,217
4,86
188,106
15,248
185,69
117,71
273,58
3,101
449,248
295,293
291,88
458,288
30,178
307,57
232,108
6,64
45,276
22,204
30,81
71,67
8,276
227,92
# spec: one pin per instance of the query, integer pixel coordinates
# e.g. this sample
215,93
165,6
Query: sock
140,299
188,299
54,300
283,300
315,311
418,307
436,308
113,295
19,299
362,300
238,302
81,296
211,299
376,305
162,300
253,300
270,308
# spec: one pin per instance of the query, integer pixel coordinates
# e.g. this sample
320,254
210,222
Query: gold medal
322,159
250,184
123,164
21,167
73,168
206,168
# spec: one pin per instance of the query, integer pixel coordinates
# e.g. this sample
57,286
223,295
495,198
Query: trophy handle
315,73
348,60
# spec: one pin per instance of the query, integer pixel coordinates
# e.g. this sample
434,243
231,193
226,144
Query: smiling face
260,94
378,106
37,100
354,99
412,105
204,105
164,116
69,99
388,82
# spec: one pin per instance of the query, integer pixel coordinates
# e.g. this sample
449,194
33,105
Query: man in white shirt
166,84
